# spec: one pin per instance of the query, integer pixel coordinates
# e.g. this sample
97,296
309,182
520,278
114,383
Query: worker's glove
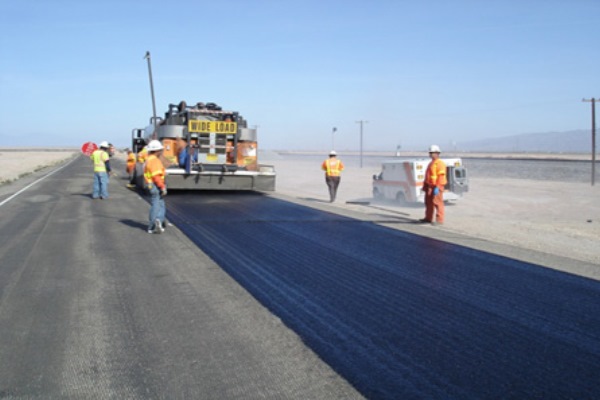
436,191
163,192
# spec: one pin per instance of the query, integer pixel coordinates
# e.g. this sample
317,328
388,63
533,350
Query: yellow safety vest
142,155
333,167
99,157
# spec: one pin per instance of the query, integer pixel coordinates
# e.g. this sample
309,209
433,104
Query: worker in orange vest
433,186
142,155
333,168
154,177
130,164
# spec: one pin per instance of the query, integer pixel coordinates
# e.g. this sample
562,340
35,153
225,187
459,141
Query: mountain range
576,141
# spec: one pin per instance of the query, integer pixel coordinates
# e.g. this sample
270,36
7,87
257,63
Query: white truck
401,180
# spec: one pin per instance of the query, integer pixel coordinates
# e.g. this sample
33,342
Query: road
254,296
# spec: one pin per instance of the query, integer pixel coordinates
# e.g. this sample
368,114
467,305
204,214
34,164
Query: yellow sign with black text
220,127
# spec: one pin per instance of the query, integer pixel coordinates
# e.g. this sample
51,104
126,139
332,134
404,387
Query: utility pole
147,57
333,130
361,122
593,101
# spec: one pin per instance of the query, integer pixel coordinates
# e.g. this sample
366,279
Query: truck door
458,182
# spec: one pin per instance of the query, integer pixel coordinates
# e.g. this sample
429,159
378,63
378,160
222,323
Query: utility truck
401,180
222,150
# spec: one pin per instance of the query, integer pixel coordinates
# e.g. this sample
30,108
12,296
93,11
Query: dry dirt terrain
558,218
15,163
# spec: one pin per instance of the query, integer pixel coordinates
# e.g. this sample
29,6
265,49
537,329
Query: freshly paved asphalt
91,306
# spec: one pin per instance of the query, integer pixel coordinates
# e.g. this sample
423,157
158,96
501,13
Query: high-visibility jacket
332,167
130,162
154,172
130,159
142,155
99,157
436,174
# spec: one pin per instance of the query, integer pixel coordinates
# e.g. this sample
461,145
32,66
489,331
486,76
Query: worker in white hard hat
101,162
433,186
154,178
333,168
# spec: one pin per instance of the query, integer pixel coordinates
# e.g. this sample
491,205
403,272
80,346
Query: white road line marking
34,182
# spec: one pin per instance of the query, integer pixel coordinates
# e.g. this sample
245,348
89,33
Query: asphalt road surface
320,304
93,307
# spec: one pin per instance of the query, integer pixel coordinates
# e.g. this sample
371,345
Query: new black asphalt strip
401,315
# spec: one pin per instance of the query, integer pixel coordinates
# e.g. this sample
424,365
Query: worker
433,186
130,169
142,155
101,162
130,163
333,168
154,177
187,156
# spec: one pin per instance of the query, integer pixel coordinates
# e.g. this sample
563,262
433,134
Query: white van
401,179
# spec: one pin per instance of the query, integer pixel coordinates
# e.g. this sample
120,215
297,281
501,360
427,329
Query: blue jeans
100,185
157,207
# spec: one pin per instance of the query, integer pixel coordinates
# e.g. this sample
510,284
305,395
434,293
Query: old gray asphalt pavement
92,306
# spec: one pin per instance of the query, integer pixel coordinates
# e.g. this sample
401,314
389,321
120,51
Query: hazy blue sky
420,72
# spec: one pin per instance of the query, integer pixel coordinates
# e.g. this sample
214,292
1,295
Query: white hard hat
332,153
104,144
155,145
434,148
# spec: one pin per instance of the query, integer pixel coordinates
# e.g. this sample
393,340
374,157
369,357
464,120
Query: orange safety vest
436,174
332,167
99,157
130,162
154,172
131,159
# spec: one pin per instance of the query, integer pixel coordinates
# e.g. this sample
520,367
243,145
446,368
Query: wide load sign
220,127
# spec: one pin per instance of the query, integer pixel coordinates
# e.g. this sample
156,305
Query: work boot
158,226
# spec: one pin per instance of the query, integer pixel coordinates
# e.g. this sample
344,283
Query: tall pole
361,122
147,57
333,130
593,101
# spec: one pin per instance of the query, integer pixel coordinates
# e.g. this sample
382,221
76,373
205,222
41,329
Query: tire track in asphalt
401,315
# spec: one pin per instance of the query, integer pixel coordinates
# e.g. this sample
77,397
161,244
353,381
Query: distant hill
577,141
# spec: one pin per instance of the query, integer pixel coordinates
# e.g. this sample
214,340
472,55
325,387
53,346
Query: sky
415,72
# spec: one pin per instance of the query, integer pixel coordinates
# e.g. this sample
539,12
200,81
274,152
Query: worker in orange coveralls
433,186
333,169
154,177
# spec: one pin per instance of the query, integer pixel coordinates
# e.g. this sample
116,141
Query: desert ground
559,218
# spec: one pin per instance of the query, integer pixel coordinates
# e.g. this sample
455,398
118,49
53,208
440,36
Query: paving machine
222,151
